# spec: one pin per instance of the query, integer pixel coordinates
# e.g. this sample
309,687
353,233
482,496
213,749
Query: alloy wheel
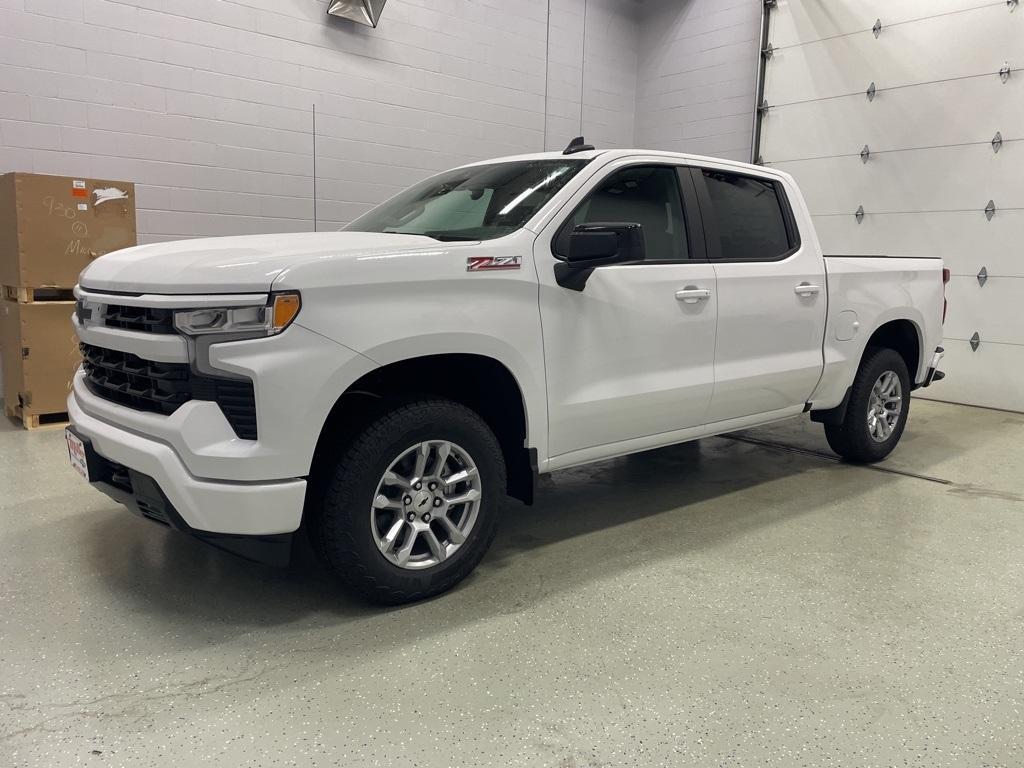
884,406
426,504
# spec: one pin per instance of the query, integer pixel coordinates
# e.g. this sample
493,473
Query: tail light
945,281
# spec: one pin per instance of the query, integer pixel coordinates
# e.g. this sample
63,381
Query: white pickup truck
389,385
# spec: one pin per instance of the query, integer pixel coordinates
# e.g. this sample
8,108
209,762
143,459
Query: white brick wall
207,105
603,71
697,76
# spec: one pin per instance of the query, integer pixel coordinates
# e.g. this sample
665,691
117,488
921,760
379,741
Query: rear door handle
691,294
806,289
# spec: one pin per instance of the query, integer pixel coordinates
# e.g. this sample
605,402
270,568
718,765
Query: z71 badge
484,263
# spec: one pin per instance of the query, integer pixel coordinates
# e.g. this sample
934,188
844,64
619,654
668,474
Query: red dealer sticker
487,263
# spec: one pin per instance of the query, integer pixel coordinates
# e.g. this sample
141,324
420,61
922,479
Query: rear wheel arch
483,384
902,336
877,407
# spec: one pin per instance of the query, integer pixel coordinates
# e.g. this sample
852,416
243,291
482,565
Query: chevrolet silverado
388,386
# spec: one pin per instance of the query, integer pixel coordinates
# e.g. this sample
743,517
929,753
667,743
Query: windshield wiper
446,238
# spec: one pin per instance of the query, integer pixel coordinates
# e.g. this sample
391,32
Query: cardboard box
40,356
52,227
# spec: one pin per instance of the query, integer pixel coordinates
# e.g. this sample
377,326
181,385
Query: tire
858,438
349,522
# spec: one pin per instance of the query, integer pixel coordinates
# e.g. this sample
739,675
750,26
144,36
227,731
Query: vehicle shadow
937,437
587,523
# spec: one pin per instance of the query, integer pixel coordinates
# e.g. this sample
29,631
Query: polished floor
744,601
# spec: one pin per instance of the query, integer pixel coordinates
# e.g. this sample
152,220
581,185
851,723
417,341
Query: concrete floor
723,603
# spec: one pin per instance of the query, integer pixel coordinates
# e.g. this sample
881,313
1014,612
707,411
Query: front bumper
142,496
297,376
203,506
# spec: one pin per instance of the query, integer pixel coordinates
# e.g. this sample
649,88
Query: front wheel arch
342,521
482,384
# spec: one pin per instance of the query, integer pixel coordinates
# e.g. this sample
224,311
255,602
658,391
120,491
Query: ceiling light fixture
360,11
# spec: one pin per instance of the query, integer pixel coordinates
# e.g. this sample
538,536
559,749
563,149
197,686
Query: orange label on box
80,192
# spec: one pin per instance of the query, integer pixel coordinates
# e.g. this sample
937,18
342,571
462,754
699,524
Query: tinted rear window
749,216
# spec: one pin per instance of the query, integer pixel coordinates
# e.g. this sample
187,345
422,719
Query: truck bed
866,292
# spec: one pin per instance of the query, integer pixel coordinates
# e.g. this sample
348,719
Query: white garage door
930,167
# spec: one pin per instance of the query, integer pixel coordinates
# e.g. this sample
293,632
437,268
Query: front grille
146,319
146,385
129,380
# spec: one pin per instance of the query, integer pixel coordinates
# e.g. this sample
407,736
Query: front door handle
691,294
806,289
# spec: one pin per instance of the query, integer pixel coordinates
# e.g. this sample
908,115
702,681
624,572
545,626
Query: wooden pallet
33,295
37,420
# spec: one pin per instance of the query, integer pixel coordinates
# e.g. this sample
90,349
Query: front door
632,354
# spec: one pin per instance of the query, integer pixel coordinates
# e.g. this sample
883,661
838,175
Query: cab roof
614,154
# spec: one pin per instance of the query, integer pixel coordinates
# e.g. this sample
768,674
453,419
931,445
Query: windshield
476,203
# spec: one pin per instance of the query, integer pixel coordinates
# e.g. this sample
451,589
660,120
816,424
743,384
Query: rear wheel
412,505
877,410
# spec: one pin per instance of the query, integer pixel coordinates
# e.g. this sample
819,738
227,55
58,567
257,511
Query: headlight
262,320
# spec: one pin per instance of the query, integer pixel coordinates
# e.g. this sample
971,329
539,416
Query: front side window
480,202
647,195
749,217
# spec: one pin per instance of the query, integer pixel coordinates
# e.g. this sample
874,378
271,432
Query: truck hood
247,264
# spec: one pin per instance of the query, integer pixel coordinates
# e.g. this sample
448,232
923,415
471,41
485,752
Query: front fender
529,379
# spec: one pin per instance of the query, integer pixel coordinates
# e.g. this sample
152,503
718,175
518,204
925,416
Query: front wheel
877,411
412,505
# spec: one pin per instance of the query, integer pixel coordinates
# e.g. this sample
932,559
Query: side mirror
596,245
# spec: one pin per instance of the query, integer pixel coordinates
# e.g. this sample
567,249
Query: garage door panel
965,240
939,179
931,169
918,116
800,21
972,43
993,310
993,376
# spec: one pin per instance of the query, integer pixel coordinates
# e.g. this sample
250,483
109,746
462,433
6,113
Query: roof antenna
577,145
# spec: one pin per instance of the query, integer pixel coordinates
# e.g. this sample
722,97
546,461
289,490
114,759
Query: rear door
771,295
626,358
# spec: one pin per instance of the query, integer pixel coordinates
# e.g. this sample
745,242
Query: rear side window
749,217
